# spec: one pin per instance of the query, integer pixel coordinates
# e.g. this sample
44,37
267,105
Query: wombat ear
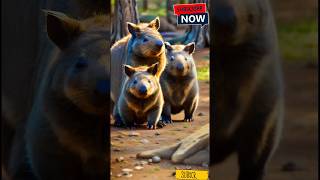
153,69
168,46
132,28
129,70
190,47
61,29
155,23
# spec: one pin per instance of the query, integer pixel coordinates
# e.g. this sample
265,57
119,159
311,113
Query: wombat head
142,82
179,59
238,21
146,40
81,70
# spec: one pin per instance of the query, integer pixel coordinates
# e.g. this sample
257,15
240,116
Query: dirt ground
295,159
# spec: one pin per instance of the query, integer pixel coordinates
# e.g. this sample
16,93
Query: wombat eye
186,59
171,58
135,82
145,40
82,63
149,81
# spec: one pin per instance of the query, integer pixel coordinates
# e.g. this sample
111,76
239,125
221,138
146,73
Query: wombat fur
179,82
248,87
143,46
141,98
64,137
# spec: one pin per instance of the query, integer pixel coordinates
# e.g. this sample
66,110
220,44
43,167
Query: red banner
195,8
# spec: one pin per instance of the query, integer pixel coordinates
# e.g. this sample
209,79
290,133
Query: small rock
201,114
119,175
149,161
144,141
128,175
173,173
120,136
126,170
116,149
133,134
142,163
156,159
157,134
138,167
120,159
205,165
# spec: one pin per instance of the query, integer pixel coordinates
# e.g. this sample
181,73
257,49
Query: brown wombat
143,46
179,82
65,132
141,98
248,87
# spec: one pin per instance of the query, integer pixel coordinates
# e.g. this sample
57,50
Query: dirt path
127,146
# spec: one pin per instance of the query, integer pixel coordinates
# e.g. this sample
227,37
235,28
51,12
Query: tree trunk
145,5
172,19
126,11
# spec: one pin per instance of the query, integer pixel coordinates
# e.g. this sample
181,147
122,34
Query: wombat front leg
189,109
166,113
117,118
153,118
257,144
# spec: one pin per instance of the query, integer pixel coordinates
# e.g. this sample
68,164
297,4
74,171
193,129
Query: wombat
141,98
248,87
179,82
143,46
65,132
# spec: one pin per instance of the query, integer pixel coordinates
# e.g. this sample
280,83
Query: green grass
298,40
203,73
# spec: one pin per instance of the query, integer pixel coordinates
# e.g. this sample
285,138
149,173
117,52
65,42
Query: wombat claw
161,124
151,126
118,122
166,119
188,119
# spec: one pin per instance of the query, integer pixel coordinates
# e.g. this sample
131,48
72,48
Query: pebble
157,133
119,175
120,159
128,175
126,170
142,163
201,114
149,161
138,167
156,159
116,149
144,141
133,134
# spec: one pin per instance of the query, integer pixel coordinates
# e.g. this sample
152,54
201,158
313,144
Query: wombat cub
179,82
143,46
141,98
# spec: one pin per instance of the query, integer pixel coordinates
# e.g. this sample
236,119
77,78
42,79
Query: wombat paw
166,119
188,118
161,124
118,122
151,126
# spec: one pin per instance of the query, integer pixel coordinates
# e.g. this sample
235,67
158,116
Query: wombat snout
180,67
158,43
102,87
143,89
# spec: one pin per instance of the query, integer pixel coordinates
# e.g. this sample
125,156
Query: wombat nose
180,67
159,43
143,89
224,18
102,87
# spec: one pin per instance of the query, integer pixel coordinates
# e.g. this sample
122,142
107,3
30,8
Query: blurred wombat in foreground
141,98
248,87
143,46
179,82
65,132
